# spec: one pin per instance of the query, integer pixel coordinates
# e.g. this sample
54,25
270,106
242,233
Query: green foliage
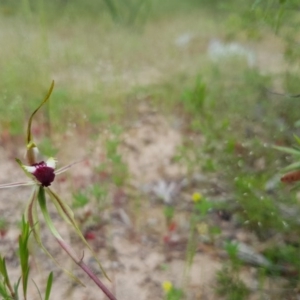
9,292
80,200
24,254
129,12
6,290
228,282
97,194
282,17
232,250
49,286
169,213
230,286
194,99
284,255
202,207
174,294
115,164
47,148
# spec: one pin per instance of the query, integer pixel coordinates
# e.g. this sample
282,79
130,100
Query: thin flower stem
86,269
99,283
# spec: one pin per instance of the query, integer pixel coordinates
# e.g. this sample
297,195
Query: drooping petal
25,170
66,213
42,202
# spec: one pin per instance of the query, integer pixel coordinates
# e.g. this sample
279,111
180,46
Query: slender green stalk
49,286
67,248
3,271
24,255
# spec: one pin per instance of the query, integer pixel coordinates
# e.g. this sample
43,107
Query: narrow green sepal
32,115
25,171
66,212
43,206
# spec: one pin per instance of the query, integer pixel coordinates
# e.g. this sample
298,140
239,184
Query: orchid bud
32,153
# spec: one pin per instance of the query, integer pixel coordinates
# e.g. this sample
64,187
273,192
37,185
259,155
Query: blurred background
173,107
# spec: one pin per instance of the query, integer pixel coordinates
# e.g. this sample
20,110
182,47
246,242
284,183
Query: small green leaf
24,255
297,138
291,167
49,286
16,288
4,292
288,150
3,271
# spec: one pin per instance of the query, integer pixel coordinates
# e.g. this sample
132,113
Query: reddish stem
86,269
104,289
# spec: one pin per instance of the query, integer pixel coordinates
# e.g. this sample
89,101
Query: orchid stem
98,282
68,249
87,270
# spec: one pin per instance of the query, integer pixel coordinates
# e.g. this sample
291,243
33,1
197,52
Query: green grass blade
112,9
297,139
4,292
291,167
288,150
3,271
49,286
24,255
16,288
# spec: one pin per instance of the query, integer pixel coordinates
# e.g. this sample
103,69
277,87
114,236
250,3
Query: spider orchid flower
42,173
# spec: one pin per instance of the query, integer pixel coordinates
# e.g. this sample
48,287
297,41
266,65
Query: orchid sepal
67,214
23,167
42,203
16,184
29,139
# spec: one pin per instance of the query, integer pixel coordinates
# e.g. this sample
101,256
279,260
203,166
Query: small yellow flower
196,197
167,286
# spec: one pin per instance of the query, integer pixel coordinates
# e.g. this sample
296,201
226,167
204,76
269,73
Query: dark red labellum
44,174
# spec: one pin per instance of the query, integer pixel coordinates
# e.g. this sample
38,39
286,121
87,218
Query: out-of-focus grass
93,62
